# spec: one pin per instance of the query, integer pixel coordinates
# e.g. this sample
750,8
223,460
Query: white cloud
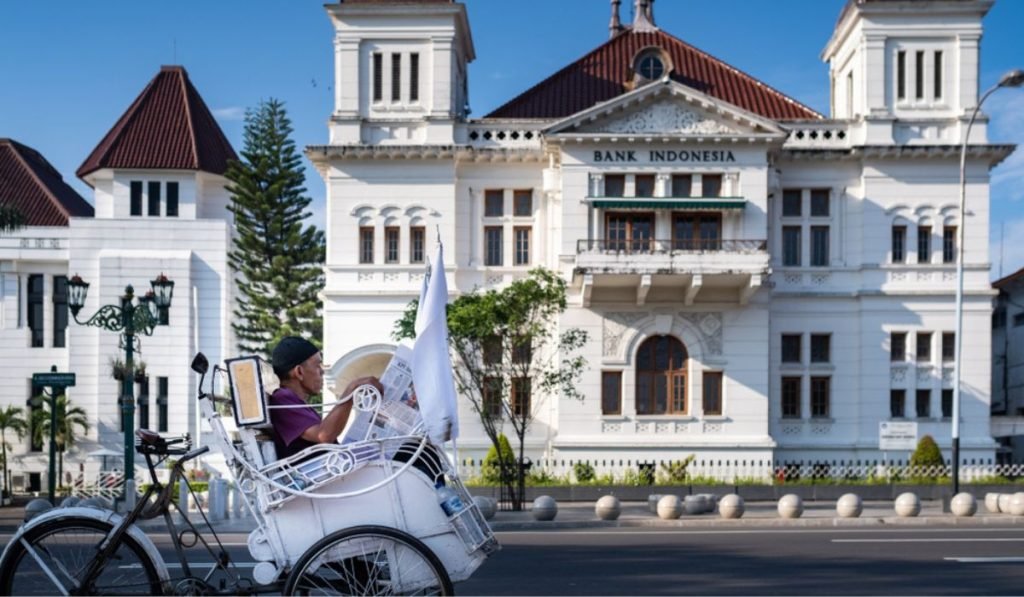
1010,248
230,113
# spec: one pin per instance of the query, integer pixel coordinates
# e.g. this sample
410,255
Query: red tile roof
606,72
33,187
1005,281
168,127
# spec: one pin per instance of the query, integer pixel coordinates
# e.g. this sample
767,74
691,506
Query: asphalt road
749,561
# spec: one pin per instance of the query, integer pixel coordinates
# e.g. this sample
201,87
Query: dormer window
651,64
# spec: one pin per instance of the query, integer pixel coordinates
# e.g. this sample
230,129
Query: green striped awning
668,203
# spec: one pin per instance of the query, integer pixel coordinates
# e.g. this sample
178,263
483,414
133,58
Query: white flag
431,365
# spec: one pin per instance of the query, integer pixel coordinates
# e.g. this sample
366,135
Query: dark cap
290,352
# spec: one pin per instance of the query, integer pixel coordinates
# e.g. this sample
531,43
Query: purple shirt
290,423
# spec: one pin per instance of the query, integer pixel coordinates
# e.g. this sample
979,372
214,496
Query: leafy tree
277,259
10,218
69,418
927,453
11,419
509,355
491,468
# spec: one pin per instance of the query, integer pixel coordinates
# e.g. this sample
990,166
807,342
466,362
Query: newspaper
397,414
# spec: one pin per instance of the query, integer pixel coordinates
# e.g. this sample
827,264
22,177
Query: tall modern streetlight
1014,78
131,318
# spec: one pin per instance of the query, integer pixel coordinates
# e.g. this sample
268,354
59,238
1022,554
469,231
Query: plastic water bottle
450,501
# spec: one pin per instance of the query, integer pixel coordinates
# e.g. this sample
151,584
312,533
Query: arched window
661,377
651,67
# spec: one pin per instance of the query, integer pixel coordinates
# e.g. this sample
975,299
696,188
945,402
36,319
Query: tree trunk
60,466
3,445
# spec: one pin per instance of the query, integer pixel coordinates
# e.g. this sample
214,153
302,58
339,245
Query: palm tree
68,418
11,419
10,218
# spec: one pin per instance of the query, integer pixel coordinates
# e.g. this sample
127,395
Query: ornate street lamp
131,318
1013,78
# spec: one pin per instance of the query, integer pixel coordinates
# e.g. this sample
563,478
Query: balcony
678,270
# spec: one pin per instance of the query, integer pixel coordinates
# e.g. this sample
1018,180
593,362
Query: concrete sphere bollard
731,506
486,506
1017,504
791,506
695,504
992,502
849,506
608,507
963,505
652,502
36,507
907,505
712,501
1004,502
670,507
91,502
544,508
70,502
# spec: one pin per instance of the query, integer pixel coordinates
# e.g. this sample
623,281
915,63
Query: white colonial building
759,281
159,207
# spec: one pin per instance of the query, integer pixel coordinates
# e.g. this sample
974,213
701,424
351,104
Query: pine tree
277,259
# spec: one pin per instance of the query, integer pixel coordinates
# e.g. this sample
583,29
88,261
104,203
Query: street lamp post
1014,78
131,318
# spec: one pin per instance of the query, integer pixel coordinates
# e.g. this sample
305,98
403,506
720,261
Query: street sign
53,379
897,435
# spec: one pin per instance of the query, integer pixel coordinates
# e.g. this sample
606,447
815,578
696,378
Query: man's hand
371,380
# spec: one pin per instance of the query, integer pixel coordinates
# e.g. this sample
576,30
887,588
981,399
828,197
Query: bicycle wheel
369,560
61,551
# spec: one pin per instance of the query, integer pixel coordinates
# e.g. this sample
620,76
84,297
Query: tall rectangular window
378,76
791,398
414,77
821,348
949,244
712,392
947,403
417,242
614,185
60,311
682,185
492,350
897,404
711,185
161,403
899,244
643,185
522,240
494,204
153,198
948,346
135,200
143,403
391,244
172,199
820,203
901,75
520,402
611,392
897,346
919,74
937,78
819,246
791,245
522,203
791,348
924,347
35,309
924,403
396,77
493,246
820,397
492,397
366,244
792,200
924,244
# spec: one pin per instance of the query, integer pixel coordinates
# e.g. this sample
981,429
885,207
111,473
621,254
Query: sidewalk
580,515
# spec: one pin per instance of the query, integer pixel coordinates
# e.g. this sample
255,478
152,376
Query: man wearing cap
298,364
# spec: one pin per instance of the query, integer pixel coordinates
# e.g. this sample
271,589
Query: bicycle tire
21,574
343,575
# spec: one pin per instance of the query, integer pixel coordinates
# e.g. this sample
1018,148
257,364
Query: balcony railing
652,246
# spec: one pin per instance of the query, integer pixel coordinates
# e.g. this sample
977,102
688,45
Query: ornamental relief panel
615,327
709,326
664,117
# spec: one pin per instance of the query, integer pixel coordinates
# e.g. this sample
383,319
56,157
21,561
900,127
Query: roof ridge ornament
615,26
643,15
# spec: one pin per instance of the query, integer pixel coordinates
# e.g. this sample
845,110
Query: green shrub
583,471
674,472
490,471
927,453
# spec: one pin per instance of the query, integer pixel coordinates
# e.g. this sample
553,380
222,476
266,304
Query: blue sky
69,68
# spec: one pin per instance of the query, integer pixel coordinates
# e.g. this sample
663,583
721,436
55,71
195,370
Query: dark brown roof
606,72
1005,281
168,127
33,187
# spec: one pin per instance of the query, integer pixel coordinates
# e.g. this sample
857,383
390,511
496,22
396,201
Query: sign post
57,382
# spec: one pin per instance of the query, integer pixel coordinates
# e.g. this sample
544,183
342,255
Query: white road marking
1007,559
197,565
933,540
761,531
